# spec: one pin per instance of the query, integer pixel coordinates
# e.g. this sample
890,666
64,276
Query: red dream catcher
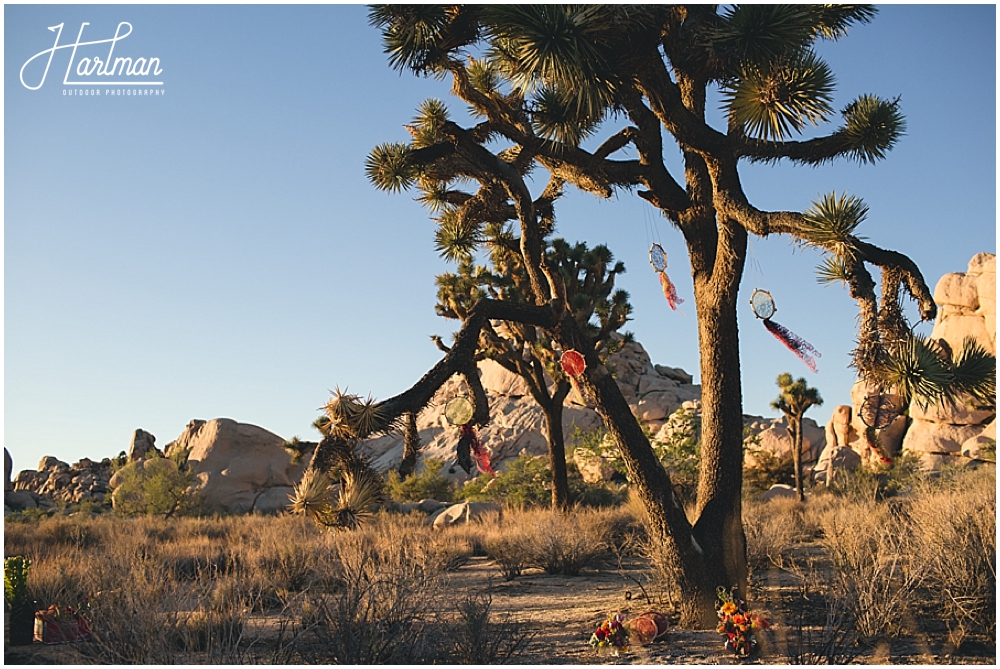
459,411
658,259
573,364
763,308
877,413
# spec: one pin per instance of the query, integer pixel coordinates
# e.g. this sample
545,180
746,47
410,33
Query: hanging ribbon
470,441
763,308
796,344
669,291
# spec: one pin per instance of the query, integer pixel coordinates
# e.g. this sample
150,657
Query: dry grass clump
871,546
478,638
773,529
955,527
562,543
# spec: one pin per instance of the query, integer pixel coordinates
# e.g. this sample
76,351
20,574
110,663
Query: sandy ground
563,611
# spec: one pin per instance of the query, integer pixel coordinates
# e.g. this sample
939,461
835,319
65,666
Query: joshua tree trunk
719,528
553,410
411,446
795,427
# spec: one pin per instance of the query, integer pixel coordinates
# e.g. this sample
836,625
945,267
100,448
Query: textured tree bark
557,452
795,427
411,446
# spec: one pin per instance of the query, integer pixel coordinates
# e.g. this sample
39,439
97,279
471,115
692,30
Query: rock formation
241,468
56,481
966,301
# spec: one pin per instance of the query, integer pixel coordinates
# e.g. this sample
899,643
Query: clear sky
216,251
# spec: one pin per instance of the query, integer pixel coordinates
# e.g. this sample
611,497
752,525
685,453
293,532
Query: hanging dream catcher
763,308
470,450
658,259
877,413
573,364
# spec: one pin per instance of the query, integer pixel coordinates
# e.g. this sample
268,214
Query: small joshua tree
795,399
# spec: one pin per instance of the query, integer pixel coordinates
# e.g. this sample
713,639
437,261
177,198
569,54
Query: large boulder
241,468
460,514
950,432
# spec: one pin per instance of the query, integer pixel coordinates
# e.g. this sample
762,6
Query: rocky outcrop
464,513
56,481
241,468
654,393
945,433
516,422
143,446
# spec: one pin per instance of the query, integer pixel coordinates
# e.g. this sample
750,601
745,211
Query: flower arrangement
59,624
738,624
611,635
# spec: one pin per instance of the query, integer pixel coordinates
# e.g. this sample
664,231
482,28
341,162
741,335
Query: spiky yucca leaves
556,45
771,100
361,489
831,224
456,237
832,269
388,168
411,34
348,417
555,117
312,496
872,126
920,369
975,374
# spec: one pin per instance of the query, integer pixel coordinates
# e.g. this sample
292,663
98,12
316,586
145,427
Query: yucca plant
361,489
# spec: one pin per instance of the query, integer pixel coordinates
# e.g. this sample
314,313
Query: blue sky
216,251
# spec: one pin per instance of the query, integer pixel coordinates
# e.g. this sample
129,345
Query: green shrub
880,481
524,482
768,470
680,452
156,486
428,483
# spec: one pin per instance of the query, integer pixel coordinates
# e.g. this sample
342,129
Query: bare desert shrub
955,529
478,638
772,529
870,545
563,543
506,547
378,615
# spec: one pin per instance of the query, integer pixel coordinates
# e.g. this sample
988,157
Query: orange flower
729,608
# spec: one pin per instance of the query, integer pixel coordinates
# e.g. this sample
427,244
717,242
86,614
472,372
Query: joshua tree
549,76
795,399
528,351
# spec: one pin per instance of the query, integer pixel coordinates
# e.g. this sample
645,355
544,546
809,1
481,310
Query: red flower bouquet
738,624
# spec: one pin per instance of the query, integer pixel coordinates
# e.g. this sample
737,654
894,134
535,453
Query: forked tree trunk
669,527
719,527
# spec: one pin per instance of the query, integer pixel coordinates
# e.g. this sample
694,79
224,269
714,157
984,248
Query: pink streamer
795,343
669,291
478,450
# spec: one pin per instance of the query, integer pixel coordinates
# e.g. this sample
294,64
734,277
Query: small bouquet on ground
611,635
62,624
738,624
